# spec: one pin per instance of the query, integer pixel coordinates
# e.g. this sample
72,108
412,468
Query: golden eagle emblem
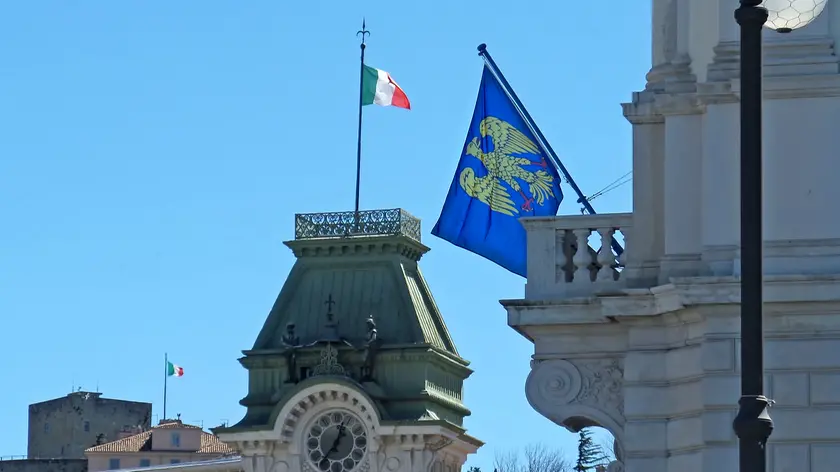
503,166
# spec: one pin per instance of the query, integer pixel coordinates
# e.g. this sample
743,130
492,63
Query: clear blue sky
152,155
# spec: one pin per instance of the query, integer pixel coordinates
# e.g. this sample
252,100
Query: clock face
336,442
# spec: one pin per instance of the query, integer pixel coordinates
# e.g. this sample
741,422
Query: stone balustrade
560,265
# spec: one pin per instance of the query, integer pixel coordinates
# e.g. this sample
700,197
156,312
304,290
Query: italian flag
173,370
378,88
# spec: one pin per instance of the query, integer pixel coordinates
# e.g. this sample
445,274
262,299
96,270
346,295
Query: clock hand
341,434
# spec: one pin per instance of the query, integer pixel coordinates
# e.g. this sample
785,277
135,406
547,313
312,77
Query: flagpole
482,51
363,32
165,377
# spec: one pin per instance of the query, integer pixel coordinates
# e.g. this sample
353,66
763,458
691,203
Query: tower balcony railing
346,224
572,256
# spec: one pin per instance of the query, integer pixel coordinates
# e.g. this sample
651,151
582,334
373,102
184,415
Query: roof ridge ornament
331,326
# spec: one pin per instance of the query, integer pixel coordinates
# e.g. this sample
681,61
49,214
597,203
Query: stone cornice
777,289
802,67
669,104
674,77
358,246
797,86
670,90
633,305
571,222
641,112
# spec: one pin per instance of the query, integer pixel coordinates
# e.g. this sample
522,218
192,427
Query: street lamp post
753,424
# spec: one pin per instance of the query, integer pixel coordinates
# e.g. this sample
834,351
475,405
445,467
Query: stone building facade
64,427
647,344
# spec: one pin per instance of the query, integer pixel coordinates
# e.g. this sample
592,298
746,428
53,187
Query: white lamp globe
788,15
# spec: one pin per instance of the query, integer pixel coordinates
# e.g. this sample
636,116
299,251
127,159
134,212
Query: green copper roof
353,276
355,308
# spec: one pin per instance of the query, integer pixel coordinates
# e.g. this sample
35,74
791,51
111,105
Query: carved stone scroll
580,392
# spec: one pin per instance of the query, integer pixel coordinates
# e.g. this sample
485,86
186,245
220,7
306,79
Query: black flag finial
364,32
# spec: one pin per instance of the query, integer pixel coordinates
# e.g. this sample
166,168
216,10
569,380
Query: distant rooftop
85,395
210,444
350,224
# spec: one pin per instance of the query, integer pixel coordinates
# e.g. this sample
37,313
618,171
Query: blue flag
503,175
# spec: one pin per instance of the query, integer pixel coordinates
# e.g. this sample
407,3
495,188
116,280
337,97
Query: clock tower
354,369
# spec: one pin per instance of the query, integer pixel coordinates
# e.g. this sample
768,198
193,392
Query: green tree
590,454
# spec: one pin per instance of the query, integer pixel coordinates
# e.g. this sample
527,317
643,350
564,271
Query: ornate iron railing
364,223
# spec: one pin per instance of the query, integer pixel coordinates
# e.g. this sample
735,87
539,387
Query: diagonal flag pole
364,33
482,51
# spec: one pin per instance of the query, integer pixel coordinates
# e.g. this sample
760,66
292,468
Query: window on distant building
46,427
176,439
113,464
145,462
175,461
86,425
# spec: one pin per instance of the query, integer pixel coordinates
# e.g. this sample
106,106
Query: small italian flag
378,88
173,370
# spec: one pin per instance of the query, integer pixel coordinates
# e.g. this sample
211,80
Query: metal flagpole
482,51
165,377
363,32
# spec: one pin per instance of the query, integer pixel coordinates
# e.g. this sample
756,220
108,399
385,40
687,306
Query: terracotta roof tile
210,443
135,443
167,424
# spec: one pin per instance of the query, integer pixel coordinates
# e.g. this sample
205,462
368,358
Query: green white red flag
378,88
173,370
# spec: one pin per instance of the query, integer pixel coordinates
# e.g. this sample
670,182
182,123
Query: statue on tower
292,343
371,346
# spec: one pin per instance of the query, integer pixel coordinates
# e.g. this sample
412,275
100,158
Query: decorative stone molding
670,90
642,109
348,247
803,67
391,448
577,393
789,57
674,76
318,398
419,452
680,265
674,87
255,454
797,86
807,55
679,104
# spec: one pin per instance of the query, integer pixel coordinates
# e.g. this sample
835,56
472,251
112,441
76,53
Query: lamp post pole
753,424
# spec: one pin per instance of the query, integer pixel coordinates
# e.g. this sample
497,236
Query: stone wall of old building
65,427
44,465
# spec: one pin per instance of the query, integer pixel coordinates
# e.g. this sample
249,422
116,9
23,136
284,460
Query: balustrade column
622,259
606,258
582,258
